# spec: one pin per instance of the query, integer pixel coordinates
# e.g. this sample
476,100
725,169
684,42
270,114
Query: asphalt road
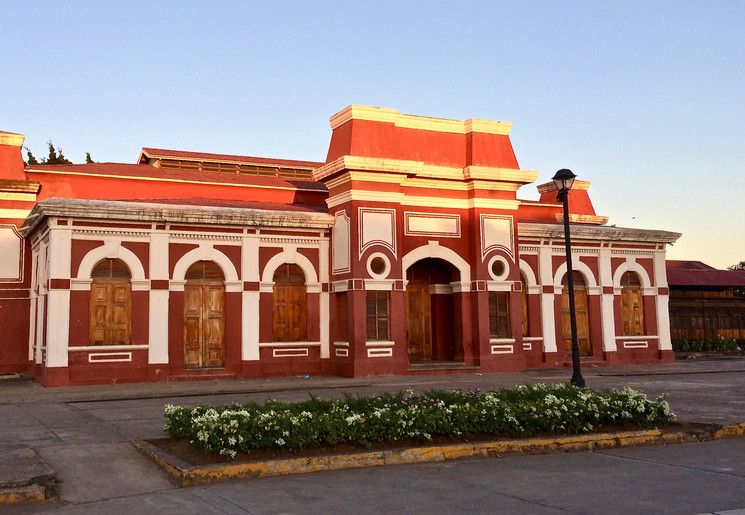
83,435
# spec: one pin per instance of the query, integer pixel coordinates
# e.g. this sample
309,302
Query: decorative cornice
596,232
11,139
18,186
364,196
173,213
408,121
373,164
547,187
500,174
584,219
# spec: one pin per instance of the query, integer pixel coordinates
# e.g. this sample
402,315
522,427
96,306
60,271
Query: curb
27,493
189,475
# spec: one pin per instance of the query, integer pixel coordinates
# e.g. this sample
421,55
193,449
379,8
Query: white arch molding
205,254
290,255
631,266
434,250
109,251
528,273
580,267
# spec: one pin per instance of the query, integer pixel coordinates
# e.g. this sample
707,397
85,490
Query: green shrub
708,345
523,411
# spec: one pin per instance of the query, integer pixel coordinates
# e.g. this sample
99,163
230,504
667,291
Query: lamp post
564,180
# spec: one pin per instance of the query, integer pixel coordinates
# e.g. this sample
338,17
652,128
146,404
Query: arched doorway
632,307
204,316
581,312
289,309
110,303
430,321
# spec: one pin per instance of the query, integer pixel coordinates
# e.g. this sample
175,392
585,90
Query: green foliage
738,266
708,345
31,159
54,158
524,411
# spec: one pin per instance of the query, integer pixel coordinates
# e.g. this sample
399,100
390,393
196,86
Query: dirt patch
182,449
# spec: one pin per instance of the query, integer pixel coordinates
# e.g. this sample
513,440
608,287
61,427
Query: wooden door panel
418,322
214,311
110,312
289,322
193,326
582,318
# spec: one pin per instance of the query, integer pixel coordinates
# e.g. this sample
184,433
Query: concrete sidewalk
80,436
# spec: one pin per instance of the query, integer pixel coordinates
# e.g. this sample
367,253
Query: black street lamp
564,180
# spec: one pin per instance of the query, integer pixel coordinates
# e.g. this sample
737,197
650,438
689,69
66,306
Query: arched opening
430,320
632,307
289,309
110,321
582,314
204,316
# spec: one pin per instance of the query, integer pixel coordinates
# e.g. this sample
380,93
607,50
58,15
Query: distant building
406,252
705,303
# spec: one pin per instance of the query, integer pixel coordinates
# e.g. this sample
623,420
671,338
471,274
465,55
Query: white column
607,316
325,311
58,301
32,305
663,313
158,333
546,278
250,299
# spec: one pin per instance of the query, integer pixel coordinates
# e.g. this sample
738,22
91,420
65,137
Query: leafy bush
708,345
524,411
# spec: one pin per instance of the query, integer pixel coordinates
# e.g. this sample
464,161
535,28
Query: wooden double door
289,313
583,320
110,312
204,325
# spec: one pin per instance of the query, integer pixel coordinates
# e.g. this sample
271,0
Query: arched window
110,319
581,312
204,316
632,307
289,310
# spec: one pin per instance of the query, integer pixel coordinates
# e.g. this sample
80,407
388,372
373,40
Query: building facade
407,251
705,303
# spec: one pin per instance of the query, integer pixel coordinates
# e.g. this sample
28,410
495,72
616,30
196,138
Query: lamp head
564,180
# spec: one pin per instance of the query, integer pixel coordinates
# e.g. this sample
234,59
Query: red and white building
407,251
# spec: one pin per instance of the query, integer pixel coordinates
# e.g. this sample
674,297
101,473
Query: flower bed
361,421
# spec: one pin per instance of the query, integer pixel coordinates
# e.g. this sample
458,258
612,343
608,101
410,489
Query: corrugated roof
152,172
701,275
688,265
239,204
160,153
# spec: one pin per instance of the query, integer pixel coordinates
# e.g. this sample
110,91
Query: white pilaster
663,313
325,311
59,258
58,327
607,315
158,332
546,278
250,299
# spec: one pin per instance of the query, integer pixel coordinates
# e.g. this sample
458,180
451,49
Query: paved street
83,435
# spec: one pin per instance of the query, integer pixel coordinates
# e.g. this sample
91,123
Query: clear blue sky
645,99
